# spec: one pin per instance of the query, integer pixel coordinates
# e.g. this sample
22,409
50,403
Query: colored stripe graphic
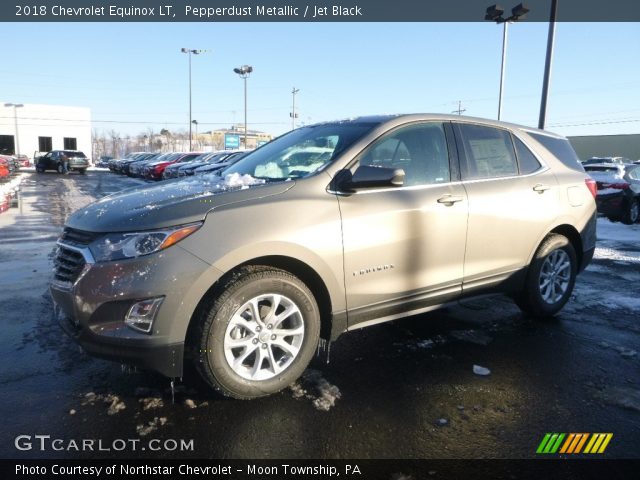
551,443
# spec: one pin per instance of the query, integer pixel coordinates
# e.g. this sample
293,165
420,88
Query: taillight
591,185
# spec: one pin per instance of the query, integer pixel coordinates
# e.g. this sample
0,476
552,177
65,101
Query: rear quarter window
489,152
561,149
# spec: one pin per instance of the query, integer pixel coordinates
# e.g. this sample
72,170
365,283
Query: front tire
258,335
550,278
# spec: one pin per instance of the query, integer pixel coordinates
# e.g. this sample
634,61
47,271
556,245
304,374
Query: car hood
170,203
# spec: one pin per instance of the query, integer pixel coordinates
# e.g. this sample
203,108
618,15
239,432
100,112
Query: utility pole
460,109
293,113
547,64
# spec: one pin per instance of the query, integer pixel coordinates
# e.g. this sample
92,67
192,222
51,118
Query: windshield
300,153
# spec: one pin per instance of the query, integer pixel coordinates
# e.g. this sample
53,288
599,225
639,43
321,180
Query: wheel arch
296,267
574,238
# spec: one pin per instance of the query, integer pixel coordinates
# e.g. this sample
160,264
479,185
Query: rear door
512,198
404,246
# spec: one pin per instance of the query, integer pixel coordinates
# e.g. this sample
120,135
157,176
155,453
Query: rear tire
632,214
60,168
258,334
550,278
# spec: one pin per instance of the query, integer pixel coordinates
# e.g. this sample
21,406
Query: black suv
55,159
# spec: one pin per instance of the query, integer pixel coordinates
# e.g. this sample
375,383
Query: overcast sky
133,76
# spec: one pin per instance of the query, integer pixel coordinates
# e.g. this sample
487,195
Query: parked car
55,159
597,160
214,157
241,274
23,160
618,191
5,171
114,162
9,163
221,165
172,171
124,167
103,161
136,169
155,169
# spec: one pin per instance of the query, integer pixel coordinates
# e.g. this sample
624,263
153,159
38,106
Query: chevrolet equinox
328,228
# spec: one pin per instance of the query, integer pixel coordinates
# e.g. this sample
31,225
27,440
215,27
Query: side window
489,152
420,150
526,159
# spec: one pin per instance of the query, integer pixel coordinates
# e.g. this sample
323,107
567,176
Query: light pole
15,106
189,51
195,122
494,14
244,71
293,113
547,64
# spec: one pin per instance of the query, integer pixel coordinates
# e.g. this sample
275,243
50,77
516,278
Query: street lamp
15,106
189,52
244,71
494,14
195,122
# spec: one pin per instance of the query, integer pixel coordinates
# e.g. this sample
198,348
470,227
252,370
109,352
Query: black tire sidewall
213,361
60,168
534,302
627,216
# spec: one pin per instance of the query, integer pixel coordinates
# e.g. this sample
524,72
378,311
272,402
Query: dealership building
28,128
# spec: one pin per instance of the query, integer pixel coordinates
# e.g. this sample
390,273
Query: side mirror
367,176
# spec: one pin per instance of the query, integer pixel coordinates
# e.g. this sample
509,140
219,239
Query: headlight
118,246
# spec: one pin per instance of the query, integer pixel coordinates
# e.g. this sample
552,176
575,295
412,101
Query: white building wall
55,121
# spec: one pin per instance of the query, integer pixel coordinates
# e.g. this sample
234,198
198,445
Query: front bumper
92,309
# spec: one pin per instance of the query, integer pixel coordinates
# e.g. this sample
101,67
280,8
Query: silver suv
328,228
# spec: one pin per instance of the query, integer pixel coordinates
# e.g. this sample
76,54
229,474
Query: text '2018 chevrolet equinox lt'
328,228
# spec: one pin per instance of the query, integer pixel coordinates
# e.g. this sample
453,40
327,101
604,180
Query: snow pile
314,387
9,190
145,429
115,404
149,403
234,180
482,371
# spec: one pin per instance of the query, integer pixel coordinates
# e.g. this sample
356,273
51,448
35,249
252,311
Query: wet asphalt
406,389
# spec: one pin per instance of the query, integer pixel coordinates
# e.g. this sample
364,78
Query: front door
404,246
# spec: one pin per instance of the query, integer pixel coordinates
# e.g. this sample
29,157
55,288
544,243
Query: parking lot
474,380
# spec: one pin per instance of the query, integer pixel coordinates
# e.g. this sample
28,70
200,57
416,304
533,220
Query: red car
23,160
154,170
5,170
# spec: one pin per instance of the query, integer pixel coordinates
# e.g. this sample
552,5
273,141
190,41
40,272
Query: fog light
142,314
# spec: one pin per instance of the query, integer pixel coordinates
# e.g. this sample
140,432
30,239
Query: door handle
449,200
540,188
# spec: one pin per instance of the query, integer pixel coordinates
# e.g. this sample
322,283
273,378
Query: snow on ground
617,232
313,386
12,185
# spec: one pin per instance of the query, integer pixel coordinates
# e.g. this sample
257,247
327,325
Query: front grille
68,264
80,238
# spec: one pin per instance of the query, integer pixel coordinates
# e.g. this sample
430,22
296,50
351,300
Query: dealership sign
231,141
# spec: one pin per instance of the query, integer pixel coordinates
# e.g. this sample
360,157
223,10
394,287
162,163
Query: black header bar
306,11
